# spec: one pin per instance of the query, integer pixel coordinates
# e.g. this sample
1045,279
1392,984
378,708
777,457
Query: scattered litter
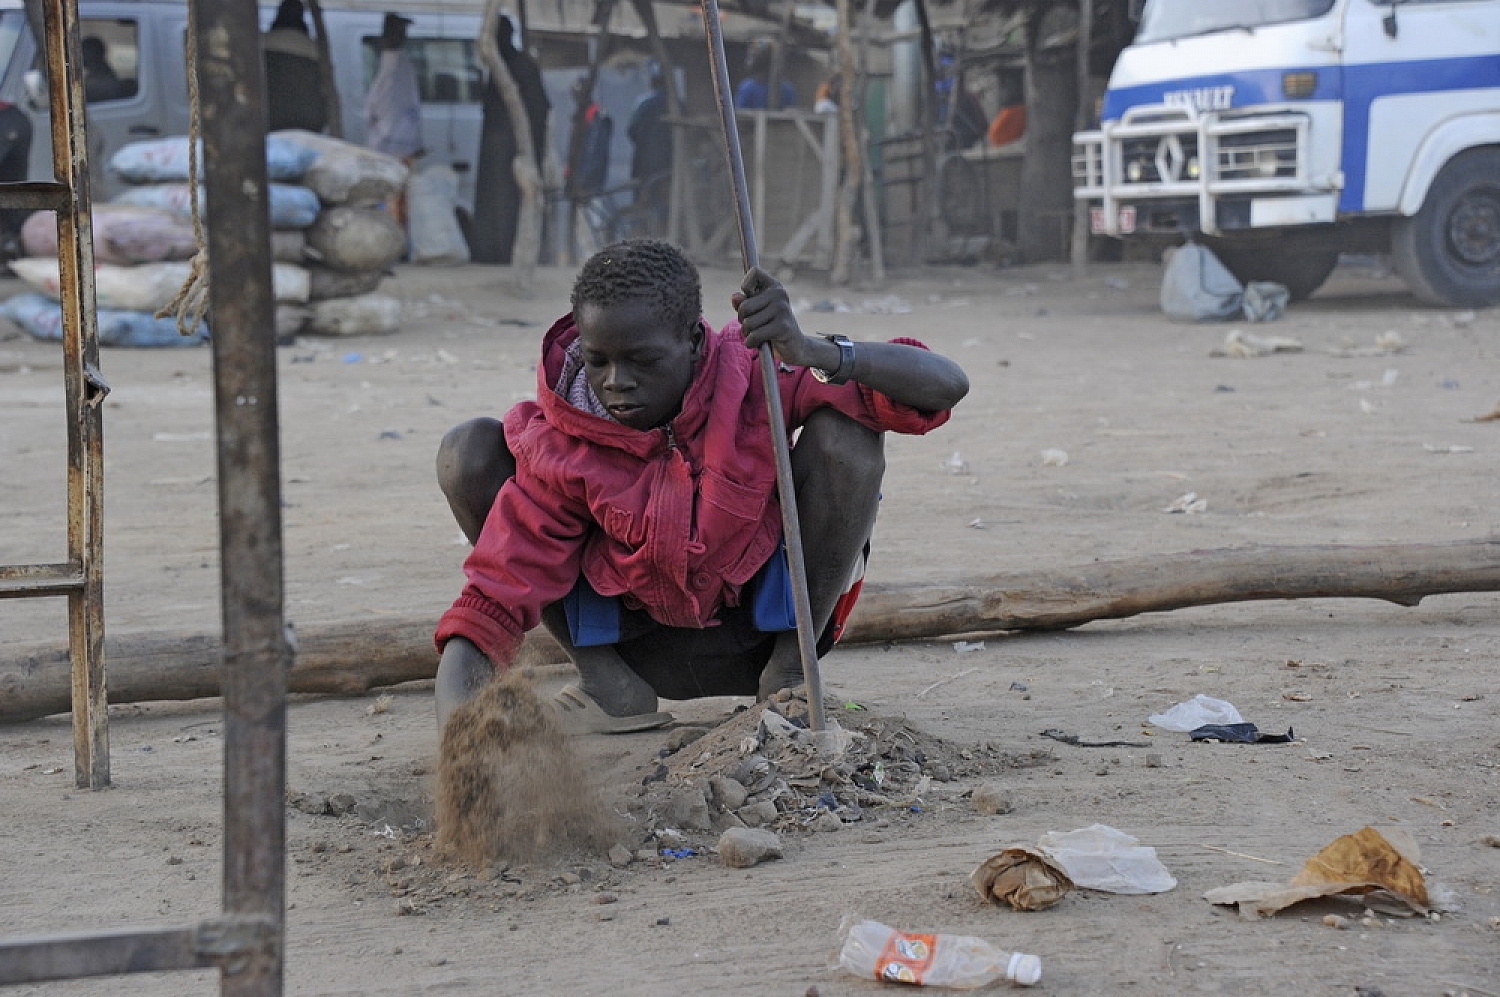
381,705
1248,344
891,304
1455,448
1493,415
1240,733
1188,503
1078,742
956,464
949,678
1196,712
966,646
390,434
977,524
763,766
1367,407
871,950
352,357
1463,318
1386,343
1026,878
678,853
1099,857
1381,866
1054,458
1197,287
1265,301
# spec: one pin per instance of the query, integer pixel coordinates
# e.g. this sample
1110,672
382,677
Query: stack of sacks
330,246
354,241
141,243
157,172
135,250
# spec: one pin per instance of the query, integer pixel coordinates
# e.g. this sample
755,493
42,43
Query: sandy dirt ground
1368,435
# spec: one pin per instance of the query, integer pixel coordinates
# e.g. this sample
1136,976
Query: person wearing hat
393,107
294,85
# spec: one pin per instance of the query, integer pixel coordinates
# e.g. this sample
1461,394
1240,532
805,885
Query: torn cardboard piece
1376,865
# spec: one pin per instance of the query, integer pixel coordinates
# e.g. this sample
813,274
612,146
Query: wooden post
1080,248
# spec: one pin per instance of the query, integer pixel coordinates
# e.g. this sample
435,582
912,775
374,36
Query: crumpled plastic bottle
960,962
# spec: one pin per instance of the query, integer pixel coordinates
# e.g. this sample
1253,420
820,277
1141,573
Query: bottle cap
1024,969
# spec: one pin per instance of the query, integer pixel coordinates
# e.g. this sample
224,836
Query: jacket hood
640,442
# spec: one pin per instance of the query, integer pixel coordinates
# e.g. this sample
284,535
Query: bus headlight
1134,171
1191,169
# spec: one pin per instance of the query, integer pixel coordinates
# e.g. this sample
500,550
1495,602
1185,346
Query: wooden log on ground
354,656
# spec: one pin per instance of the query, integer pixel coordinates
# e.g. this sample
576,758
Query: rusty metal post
84,388
257,655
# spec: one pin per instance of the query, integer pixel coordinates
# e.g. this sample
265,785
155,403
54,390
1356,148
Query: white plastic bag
435,235
1098,857
1196,287
1194,713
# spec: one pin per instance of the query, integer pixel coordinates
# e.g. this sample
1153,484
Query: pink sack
122,234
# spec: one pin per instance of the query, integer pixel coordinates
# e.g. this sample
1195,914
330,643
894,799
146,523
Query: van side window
447,68
111,59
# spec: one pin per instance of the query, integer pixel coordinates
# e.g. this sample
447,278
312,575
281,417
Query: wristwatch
845,369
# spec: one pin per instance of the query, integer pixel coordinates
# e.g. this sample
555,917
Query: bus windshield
1164,20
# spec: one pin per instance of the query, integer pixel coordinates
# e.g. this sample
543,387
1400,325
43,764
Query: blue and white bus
1283,132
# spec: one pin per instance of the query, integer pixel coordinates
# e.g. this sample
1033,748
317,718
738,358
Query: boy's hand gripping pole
790,526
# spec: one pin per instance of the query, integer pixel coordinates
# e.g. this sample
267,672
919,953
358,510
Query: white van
145,42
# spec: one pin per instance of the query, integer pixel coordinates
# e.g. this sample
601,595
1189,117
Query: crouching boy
632,507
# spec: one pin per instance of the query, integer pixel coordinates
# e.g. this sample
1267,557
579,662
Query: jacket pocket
619,525
731,497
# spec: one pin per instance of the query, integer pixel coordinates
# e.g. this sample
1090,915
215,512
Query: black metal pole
791,527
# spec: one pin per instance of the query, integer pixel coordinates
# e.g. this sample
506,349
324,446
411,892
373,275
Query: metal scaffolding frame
246,942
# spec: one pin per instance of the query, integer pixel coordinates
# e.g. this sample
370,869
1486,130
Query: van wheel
1449,251
1301,271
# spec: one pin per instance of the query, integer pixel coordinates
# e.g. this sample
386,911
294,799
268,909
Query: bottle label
906,958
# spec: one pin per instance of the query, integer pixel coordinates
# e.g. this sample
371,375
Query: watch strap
845,369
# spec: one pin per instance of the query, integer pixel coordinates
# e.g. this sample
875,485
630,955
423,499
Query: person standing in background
754,91
294,92
651,155
393,107
497,195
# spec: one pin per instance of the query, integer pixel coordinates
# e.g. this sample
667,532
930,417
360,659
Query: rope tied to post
189,306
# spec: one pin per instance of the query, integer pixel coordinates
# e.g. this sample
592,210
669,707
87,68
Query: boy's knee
838,444
470,451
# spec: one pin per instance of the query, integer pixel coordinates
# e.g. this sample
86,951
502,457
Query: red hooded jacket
674,520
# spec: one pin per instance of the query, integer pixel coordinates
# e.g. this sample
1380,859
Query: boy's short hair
642,270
